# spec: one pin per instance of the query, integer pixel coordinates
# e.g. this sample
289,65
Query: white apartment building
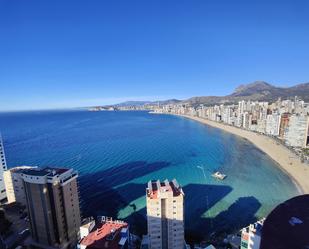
297,132
14,184
261,125
165,215
3,167
273,124
245,120
251,235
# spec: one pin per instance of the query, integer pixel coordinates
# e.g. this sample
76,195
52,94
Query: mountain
256,91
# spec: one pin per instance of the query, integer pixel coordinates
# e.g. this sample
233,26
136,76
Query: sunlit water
117,153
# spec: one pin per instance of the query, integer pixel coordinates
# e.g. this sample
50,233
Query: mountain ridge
255,91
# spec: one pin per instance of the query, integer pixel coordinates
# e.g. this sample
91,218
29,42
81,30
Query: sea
117,152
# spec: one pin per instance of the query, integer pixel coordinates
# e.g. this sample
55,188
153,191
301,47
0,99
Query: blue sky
56,54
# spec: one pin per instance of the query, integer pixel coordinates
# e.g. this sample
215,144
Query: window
244,244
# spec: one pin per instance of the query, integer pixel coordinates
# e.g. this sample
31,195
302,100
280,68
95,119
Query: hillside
258,90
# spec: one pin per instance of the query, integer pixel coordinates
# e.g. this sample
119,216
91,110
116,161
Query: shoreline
284,158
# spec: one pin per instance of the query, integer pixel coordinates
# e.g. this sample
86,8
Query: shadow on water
197,228
195,207
199,198
99,195
238,215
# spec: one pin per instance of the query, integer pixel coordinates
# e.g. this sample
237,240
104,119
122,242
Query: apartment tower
165,215
2,169
53,206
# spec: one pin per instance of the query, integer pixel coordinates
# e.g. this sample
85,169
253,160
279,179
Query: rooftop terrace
106,234
155,188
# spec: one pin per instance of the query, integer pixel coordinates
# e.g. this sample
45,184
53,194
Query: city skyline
62,55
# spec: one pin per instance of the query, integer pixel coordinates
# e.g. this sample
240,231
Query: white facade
251,235
86,228
165,215
297,131
14,185
273,124
3,167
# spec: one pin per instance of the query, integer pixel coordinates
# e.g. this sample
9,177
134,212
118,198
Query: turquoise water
117,153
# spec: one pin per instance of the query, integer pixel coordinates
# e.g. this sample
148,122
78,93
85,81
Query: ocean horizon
117,153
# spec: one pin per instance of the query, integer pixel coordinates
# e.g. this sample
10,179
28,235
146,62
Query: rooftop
20,169
256,227
156,187
48,171
107,234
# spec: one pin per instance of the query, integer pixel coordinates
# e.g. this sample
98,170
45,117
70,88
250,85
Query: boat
219,175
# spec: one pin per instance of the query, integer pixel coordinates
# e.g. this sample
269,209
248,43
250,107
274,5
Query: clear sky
57,54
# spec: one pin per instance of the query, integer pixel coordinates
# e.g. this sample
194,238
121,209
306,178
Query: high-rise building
14,184
251,235
3,167
273,124
165,215
284,124
297,132
53,206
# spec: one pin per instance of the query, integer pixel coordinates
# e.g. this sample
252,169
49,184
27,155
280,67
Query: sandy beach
286,160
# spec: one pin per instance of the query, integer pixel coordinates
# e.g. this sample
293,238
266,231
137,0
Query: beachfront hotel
53,206
104,233
165,215
3,167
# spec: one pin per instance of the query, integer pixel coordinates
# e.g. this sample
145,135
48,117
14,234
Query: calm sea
117,153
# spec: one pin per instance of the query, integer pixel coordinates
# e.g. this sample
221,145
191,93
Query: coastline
286,160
